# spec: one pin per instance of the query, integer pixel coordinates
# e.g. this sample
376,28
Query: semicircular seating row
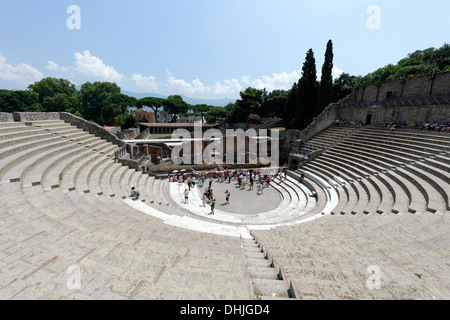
377,171
389,235
62,205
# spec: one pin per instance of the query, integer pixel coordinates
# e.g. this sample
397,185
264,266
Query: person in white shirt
186,196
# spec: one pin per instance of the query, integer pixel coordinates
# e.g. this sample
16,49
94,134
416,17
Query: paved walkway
242,201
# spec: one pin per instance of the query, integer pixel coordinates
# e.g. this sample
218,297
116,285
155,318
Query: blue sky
206,48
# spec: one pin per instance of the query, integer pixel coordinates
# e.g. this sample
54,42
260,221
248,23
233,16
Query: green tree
416,63
123,101
251,100
175,105
56,95
431,55
307,92
151,102
291,106
131,121
326,80
216,114
274,104
202,109
96,102
19,101
343,86
235,114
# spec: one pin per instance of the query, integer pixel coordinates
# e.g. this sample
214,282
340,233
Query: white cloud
278,81
194,88
245,80
86,67
229,87
18,76
336,72
147,83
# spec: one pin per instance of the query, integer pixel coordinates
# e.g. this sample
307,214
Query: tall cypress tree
326,81
307,91
290,110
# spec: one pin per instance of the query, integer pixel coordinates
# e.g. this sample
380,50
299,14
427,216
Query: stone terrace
392,213
373,198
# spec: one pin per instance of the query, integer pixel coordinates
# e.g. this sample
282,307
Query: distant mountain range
192,101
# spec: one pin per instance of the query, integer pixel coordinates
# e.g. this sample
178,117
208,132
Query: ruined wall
397,88
91,127
419,114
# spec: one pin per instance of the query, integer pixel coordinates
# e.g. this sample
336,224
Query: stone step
262,272
270,288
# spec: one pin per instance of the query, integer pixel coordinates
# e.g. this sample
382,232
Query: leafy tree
343,86
151,102
119,120
175,105
235,114
251,100
201,109
274,104
97,104
326,80
416,63
56,95
124,101
431,55
19,101
78,114
131,121
126,121
216,114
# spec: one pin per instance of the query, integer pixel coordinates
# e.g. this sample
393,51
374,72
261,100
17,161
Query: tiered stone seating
333,255
329,137
373,198
387,165
395,184
122,253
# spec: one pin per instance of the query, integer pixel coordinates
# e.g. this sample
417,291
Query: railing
141,160
120,152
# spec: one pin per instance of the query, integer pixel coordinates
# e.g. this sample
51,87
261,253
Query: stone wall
363,104
323,121
143,134
35,116
91,127
397,88
419,114
6,117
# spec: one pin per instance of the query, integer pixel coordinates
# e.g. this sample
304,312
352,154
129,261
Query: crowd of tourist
244,179
434,126
345,122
